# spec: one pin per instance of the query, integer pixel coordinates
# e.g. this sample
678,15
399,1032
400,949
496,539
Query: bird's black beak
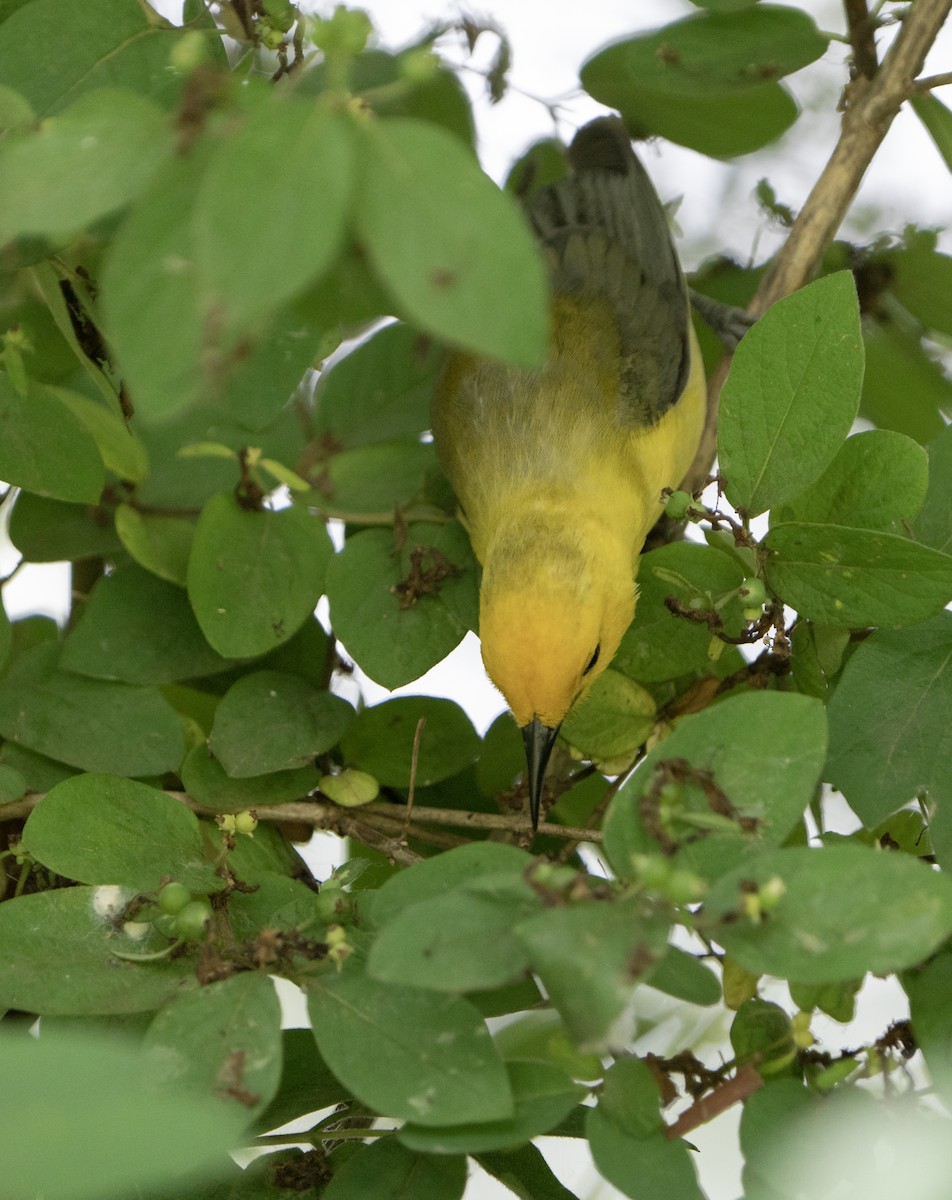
539,740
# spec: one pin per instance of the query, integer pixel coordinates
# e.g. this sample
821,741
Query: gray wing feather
606,234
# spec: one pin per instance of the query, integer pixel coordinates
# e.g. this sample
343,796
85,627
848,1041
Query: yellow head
556,599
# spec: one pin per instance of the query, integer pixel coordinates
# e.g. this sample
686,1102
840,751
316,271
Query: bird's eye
593,660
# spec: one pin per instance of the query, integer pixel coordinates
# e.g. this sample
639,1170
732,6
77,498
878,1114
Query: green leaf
409,1053
399,614
46,530
6,634
44,448
377,478
589,956
929,990
452,249
543,1095
630,1100
82,1083
525,1173
149,298
682,975
97,726
205,780
613,720
380,391
12,784
877,480
904,388
102,829
54,51
83,926
461,941
82,164
160,544
254,577
641,1166
385,1170
921,280
223,1040
792,394
937,119
306,1082
381,741
259,241
889,729
934,523
271,721
708,81
255,382
842,911
41,774
136,628
763,753
439,876
658,645
122,452
853,578
762,1031
818,652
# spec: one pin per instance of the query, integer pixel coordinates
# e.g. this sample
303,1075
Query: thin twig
414,762
319,814
928,82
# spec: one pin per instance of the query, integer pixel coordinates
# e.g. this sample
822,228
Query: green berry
246,822
174,897
193,920
753,593
677,505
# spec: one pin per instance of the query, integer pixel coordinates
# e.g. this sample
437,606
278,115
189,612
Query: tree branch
872,106
861,28
871,109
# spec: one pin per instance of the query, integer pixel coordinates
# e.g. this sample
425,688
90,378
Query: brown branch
928,82
873,104
861,28
321,814
732,1091
872,107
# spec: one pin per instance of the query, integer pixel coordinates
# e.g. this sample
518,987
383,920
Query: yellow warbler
559,470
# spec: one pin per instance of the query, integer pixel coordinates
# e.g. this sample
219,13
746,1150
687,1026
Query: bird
559,470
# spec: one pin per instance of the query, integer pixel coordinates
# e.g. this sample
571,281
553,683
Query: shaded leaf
890,739
381,740
88,723
271,721
136,628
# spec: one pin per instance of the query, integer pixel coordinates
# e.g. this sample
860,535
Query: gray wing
606,234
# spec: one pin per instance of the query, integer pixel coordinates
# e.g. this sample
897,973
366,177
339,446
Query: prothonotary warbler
559,470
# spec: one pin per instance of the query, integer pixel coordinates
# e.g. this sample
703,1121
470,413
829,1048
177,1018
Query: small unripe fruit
173,898
192,922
